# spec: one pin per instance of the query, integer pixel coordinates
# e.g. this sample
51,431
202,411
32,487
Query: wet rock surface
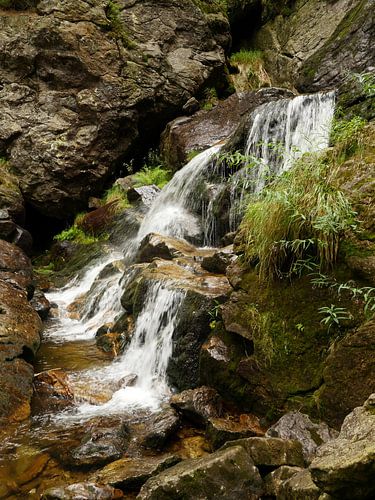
221,430
83,491
162,247
198,405
160,428
143,194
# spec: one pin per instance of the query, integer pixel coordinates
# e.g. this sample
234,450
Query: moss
117,26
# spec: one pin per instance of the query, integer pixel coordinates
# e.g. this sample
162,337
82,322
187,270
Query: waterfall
281,132
146,358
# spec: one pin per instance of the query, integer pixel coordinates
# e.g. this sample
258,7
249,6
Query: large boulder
198,405
232,427
345,467
81,80
226,474
296,425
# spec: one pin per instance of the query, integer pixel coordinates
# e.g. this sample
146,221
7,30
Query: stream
134,386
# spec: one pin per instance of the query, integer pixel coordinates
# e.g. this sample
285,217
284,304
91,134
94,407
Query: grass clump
76,235
117,196
117,28
246,57
296,223
248,70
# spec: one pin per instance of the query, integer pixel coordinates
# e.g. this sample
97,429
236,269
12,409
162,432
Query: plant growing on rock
333,315
301,215
346,135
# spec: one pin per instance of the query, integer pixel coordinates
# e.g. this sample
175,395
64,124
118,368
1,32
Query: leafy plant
300,217
77,235
346,134
152,175
333,315
366,81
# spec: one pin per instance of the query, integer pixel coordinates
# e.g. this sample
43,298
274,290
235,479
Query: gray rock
345,467
271,452
226,474
219,261
198,405
131,473
163,247
299,487
41,304
143,194
298,426
274,480
160,428
82,491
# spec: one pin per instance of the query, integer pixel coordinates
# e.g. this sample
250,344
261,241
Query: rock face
226,474
345,467
298,43
81,79
198,405
296,425
20,329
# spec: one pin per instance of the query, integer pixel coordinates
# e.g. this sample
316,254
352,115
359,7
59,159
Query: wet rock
162,247
298,426
52,391
7,226
20,329
344,467
11,200
143,194
113,342
274,480
100,445
271,452
132,473
23,239
299,487
219,261
160,428
73,108
221,430
41,304
14,260
234,273
99,220
82,491
226,474
236,318
198,405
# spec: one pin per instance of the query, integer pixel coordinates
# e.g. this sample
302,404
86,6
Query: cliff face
82,80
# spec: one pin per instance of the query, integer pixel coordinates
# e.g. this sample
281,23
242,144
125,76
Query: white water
281,132
146,357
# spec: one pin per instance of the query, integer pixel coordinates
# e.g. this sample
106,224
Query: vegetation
157,175
250,70
117,27
246,57
77,235
117,196
297,220
346,135
366,81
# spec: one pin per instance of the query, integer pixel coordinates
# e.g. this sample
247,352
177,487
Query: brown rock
221,430
198,405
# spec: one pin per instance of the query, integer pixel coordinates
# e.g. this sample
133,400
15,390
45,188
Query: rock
221,430
143,194
131,473
23,239
219,261
20,329
82,491
74,109
99,220
11,200
271,452
13,259
113,342
345,467
193,134
99,446
7,226
348,373
163,247
226,474
52,391
191,106
274,480
299,487
198,405
298,426
41,304
236,317
160,428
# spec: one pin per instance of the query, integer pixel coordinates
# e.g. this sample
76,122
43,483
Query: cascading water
281,131
145,359
295,126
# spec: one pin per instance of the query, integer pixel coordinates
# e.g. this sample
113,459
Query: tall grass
301,216
246,57
152,175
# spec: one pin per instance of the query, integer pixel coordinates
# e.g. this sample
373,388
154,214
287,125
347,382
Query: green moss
117,26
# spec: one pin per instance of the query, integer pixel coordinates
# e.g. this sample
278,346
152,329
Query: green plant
366,81
76,235
300,327
117,196
346,134
157,175
244,56
192,154
215,314
45,270
333,315
300,217
113,13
